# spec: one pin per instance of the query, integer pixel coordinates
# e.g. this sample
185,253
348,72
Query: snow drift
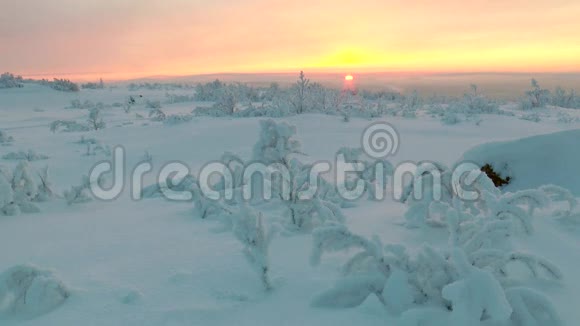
26,292
533,161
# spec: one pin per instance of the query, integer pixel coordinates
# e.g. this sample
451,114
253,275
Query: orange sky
133,38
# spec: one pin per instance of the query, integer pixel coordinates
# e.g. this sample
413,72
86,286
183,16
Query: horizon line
288,72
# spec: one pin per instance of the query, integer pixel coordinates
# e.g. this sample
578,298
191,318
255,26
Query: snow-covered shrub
412,101
206,208
211,111
64,85
93,85
409,113
537,97
534,117
436,110
306,211
463,288
477,103
174,119
226,101
6,195
530,307
44,192
79,194
276,143
76,104
97,148
564,99
491,203
149,104
208,91
203,207
86,140
68,126
484,241
450,118
157,86
322,99
29,156
27,291
18,190
128,104
566,118
249,229
156,114
264,110
345,116
25,188
236,166
157,190
419,192
177,98
5,139
369,173
8,80
95,120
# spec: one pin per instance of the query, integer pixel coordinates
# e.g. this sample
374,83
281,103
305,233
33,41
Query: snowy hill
156,262
534,161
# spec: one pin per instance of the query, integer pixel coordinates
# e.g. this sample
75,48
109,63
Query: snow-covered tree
411,103
95,120
24,187
537,97
300,90
64,85
8,80
209,91
20,188
322,99
276,143
307,209
565,99
477,103
92,85
226,101
249,229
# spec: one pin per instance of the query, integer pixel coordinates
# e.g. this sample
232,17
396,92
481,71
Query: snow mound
26,292
533,161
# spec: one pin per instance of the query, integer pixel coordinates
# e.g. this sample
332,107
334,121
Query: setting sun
348,77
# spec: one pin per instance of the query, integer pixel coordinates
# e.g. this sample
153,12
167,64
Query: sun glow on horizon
132,38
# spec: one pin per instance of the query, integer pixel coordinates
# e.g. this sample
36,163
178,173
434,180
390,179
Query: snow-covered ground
153,262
